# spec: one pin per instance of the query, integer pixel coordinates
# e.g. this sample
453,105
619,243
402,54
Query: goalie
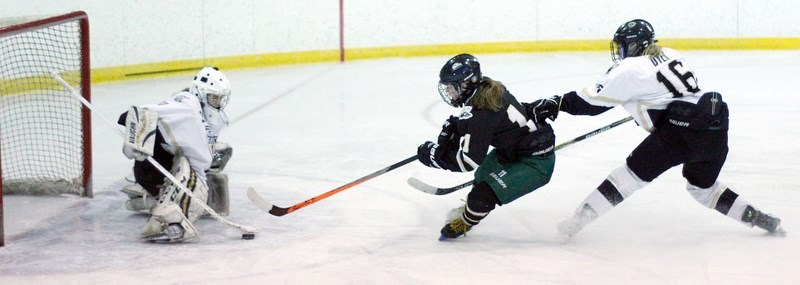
181,135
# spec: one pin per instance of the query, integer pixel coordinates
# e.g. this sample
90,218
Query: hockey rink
299,131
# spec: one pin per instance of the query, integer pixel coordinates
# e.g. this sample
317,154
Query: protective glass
618,51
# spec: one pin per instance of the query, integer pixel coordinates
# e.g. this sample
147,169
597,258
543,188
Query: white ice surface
300,131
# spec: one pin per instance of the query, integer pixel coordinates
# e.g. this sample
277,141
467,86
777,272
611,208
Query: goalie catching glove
140,125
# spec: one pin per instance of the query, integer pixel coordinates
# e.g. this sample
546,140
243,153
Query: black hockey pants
701,150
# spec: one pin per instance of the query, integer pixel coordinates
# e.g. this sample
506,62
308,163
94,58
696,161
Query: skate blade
165,239
162,239
777,233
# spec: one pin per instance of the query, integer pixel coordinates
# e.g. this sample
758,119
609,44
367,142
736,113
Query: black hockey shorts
702,153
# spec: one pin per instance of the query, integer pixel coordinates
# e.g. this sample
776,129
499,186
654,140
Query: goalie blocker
140,125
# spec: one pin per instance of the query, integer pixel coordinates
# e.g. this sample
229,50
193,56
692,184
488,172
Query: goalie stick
265,205
248,231
424,187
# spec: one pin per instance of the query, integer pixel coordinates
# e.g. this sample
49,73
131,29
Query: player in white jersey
687,126
180,134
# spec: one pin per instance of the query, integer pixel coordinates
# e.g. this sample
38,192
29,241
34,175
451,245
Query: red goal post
45,134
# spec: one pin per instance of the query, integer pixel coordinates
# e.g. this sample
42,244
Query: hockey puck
248,236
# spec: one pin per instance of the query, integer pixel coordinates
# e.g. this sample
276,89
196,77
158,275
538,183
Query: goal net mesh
43,132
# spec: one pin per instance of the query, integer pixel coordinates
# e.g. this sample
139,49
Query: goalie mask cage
45,133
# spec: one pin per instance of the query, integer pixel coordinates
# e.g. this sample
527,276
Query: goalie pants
146,174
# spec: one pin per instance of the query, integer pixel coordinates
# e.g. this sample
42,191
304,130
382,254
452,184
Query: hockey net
45,133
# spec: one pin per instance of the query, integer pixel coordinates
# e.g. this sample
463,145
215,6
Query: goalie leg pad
173,216
134,190
140,125
139,199
218,192
183,172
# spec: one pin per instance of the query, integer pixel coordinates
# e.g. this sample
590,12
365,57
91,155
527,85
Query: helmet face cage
631,39
449,92
218,101
459,79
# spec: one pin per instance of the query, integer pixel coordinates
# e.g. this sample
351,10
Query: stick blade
421,186
257,200
265,205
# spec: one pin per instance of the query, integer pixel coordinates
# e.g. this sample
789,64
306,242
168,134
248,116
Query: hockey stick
246,229
265,205
424,187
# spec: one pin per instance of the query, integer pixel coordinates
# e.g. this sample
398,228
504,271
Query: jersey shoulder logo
466,113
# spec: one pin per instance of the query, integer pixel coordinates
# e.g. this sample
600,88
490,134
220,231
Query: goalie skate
173,233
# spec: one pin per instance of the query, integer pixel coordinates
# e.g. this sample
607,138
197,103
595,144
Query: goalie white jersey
644,86
182,124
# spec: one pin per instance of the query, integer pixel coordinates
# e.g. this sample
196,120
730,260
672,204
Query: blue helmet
459,79
631,39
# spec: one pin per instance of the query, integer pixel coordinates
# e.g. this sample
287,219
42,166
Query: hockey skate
140,200
456,226
168,225
764,221
575,224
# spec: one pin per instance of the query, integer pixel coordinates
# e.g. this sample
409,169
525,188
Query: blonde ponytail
489,95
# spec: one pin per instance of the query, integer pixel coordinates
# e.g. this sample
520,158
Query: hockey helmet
631,39
459,79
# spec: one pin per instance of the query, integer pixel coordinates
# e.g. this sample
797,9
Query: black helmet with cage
459,79
631,39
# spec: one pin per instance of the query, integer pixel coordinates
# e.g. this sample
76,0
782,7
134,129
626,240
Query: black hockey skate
455,228
764,221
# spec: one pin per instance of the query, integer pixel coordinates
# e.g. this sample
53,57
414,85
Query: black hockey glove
449,131
428,154
542,109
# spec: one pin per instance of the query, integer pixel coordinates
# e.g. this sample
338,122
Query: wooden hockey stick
265,205
246,229
424,187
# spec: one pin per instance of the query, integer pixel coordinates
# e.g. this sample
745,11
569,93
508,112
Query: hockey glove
449,131
427,153
542,109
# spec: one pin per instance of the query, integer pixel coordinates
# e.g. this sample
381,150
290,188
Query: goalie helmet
631,39
211,87
459,79
213,90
